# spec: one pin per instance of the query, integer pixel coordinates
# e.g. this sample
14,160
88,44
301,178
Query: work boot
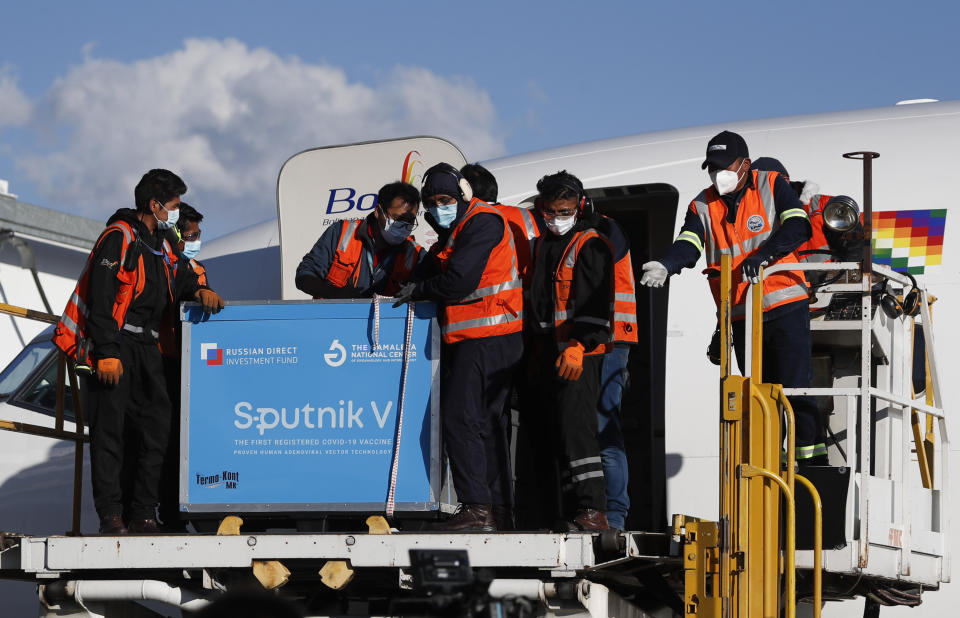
144,526
468,518
587,520
112,524
503,517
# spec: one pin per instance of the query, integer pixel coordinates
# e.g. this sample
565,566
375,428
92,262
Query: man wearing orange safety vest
110,325
755,217
614,376
356,258
525,225
569,314
817,249
472,274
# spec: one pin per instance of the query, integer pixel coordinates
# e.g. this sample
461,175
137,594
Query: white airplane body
915,170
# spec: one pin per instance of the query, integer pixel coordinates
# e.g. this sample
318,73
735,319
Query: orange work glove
570,362
109,370
209,300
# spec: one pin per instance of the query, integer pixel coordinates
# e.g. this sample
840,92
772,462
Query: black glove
407,294
713,350
750,267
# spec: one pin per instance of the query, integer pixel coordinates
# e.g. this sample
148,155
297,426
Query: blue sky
92,94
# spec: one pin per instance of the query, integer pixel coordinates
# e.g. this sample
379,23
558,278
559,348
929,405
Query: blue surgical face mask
190,249
444,214
172,217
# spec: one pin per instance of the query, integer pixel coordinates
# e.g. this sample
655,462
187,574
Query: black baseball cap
723,149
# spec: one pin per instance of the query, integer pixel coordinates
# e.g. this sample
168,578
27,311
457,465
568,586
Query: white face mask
172,217
726,181
560,225
190,249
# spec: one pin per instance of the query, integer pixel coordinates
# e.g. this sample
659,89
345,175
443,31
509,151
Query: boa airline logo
407,175
345,199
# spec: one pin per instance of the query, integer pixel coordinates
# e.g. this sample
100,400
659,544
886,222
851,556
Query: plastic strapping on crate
407,335
376,320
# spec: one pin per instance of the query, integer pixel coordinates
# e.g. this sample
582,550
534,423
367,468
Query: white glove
654,274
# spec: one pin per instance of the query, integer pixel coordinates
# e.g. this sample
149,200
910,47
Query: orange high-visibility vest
756,220
564,292
525,231
200,270
496,306
345,266
818,241
624,301
70,332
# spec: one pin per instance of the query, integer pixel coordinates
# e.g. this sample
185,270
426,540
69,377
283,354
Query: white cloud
226,117
14,104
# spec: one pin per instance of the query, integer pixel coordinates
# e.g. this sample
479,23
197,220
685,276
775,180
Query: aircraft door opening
647,215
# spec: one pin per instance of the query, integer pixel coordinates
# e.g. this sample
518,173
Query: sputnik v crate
287,407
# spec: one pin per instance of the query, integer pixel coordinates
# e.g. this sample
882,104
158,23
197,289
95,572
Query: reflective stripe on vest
523,230
496,306
563,293
529,226
624,306
756,220
346,234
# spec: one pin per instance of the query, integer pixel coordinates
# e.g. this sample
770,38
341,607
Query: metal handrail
65,369
817,544
790,566
868,392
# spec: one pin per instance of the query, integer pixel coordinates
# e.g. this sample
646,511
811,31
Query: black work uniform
138,407
559,466
476,373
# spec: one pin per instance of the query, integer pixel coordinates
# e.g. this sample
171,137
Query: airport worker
756,217
816,249
525,226
471,273
522,222
357,258
186,234
614,376
569,315
110,325
188,239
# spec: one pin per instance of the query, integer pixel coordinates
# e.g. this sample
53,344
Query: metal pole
756,330
867,157
866,401
77,451
30,314
61,376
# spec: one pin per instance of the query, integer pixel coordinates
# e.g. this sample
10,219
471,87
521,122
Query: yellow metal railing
65,370
756,491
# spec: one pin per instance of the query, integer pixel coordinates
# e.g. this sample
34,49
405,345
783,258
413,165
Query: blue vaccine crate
287,407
